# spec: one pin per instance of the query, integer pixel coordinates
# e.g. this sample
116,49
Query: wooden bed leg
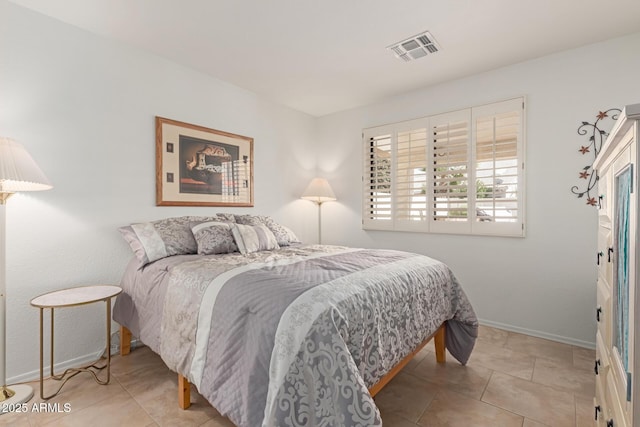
438,340
184,392
125,341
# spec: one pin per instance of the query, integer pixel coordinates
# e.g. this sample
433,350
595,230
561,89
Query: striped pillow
253,238
284,235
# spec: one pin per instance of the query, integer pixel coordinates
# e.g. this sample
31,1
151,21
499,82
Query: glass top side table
69,298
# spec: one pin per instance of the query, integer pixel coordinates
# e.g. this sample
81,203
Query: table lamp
18,172
319,191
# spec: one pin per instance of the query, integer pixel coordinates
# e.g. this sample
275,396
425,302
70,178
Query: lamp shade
319,191
18,170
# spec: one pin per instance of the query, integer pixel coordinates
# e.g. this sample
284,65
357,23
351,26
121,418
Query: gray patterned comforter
294,337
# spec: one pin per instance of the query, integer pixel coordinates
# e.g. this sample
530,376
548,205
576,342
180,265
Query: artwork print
198,166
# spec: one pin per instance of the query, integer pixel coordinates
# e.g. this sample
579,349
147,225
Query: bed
298,335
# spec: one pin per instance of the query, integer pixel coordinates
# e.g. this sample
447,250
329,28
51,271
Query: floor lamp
18,172
319,191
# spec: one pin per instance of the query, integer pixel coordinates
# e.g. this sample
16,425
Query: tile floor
510,380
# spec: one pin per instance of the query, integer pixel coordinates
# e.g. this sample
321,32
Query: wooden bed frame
184,388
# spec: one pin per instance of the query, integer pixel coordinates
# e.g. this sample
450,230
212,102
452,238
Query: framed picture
198,166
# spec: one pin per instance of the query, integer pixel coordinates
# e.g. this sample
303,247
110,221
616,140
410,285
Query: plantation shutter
377,179
498,168
410,189
450,171
460,172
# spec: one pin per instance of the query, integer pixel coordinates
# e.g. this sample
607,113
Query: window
460,172
378,184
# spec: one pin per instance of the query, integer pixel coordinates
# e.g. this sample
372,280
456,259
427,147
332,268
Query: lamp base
15,395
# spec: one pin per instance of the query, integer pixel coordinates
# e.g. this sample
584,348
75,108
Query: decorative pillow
249,219
290,235
226,217
284,235
153,240
253,238
213,237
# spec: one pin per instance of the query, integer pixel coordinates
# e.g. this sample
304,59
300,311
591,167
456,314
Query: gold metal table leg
41,353
51,346
72,372
108,341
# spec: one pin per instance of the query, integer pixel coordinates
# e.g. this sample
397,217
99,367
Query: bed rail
184,387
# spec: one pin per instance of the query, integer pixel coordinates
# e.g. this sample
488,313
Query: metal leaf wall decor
597,136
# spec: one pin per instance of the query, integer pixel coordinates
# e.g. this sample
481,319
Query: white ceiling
323,56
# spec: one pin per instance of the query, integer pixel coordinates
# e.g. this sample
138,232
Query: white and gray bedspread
293,337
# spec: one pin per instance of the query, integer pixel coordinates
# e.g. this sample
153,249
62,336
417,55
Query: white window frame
470,226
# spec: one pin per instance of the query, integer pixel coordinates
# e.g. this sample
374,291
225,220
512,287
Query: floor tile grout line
550,342
477,400
555,387
480,364
154,419
520,353
408,420
174,385
58,419
484,390
138,402
86,408
522,415
430,402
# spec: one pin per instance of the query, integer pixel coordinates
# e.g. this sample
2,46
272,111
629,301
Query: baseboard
539,334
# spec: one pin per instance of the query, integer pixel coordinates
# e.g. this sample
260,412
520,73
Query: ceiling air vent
415,47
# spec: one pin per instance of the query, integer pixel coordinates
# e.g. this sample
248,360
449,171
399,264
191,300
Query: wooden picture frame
198,166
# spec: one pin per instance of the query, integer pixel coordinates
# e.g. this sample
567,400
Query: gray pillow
226,217
154,240
249,219
284,235
253,238
213,237
290,235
